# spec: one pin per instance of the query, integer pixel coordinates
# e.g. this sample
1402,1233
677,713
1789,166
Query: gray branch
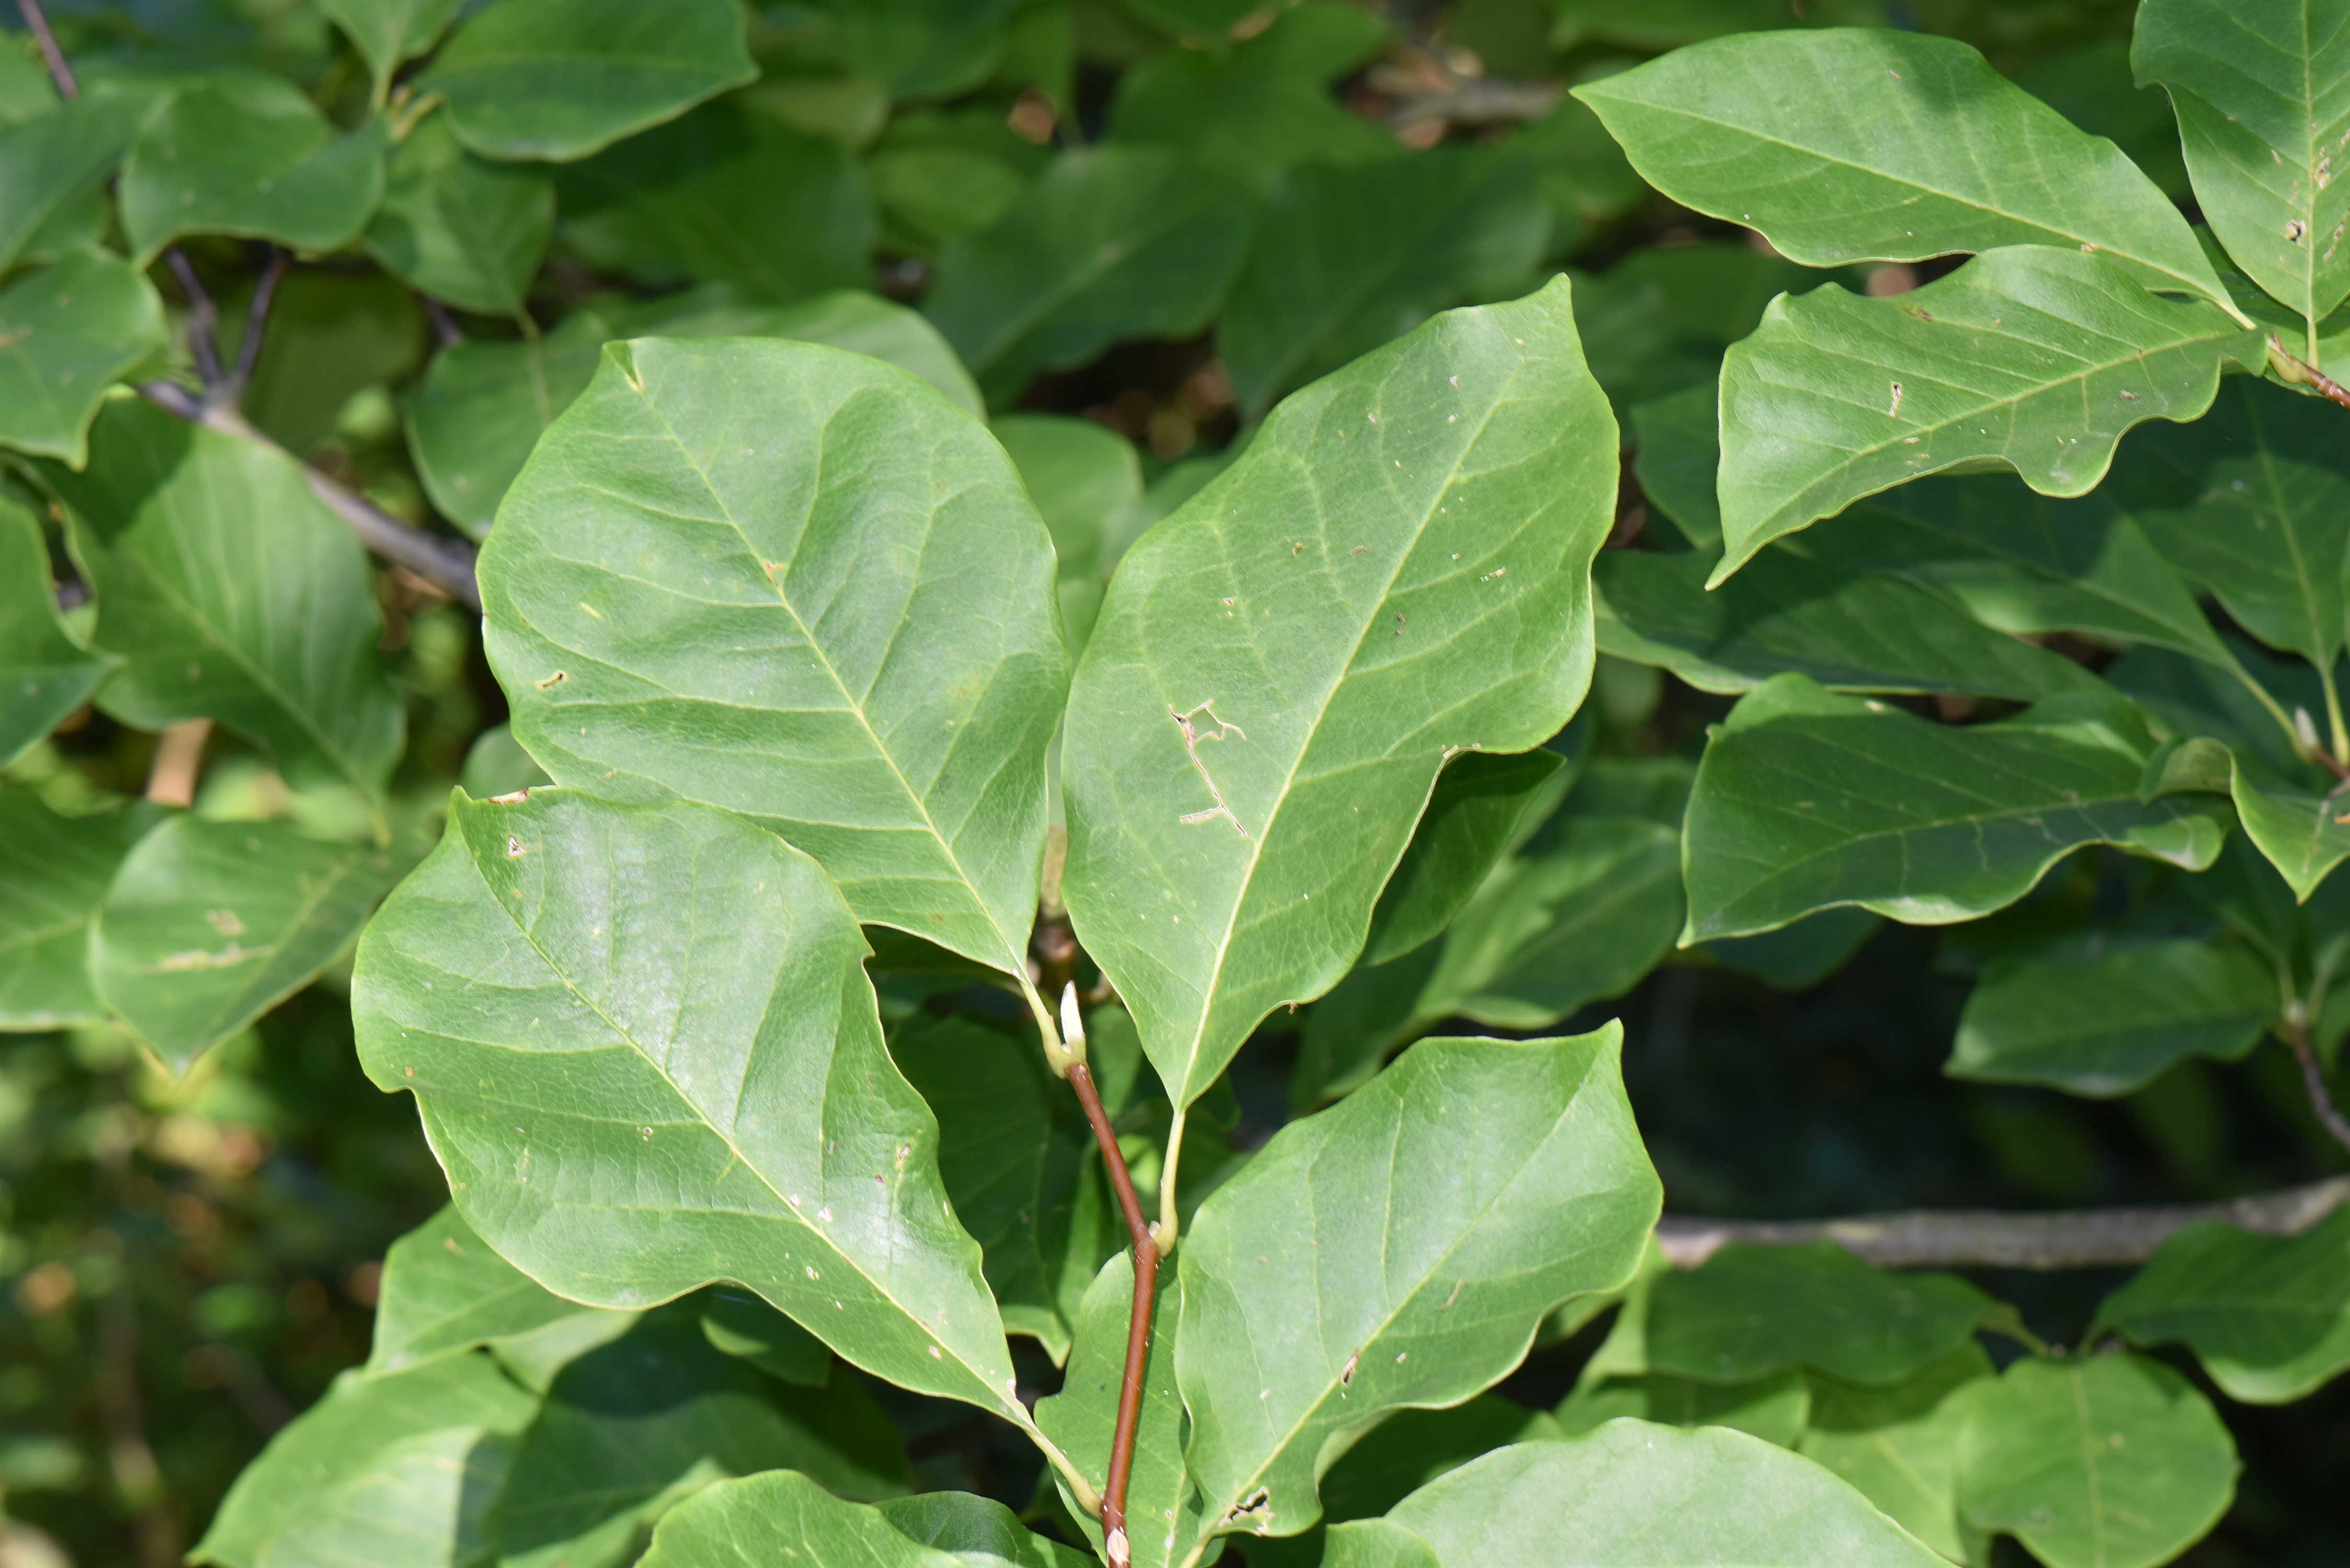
1961,1237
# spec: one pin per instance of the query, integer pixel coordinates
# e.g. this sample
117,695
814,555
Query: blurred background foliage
186,1263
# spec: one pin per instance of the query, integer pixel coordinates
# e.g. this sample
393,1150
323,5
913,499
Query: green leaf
1798,957
800,584
674,990
1347,257
1677,453
208,925
1807,800
2105,1022
1416,587
561,78
977,1531
1899,1445
2269,1316
249,157
1773,1407
1412,1448
45,674
68,331
1109,244
744,1325
1482,807
2028,358
1015,1153
1850,144
1399,1249
633,1426
2261,89
53,872
2100,1461
414,1459
781,1516
2300,832
1081,475
1635,1495
54,160
483,406
1751,1310
724,194
389,33
1163,1505
459,227
444,1291
1789,611
233,594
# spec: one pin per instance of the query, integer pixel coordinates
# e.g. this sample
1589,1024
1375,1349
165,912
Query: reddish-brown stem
2325,384
59,72
1137,1331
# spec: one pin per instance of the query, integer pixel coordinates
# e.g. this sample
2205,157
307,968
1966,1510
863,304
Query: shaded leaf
1347,257
208,925
249,157
1751,1310
53,161
1399,1249
232,594
780,1515
1787,611
1677,453
2029,358
1163,1505
459,227
2101,1461
1798,957
1633,1493
444,1291
53,872
2269,1316
1773,1407
1109,244
742,1325
847,318
561,78
2304,834
1899,1445
668,987
45,674
1482,807
1415,588
976,1530
483,406
2106,1022
388,33
68,331
2261,89
1850,144
1412,1448
1807,800
1081,475
800,584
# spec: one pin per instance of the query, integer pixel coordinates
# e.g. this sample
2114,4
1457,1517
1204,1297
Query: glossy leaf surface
45,674
1399,1249
261,164
800,584
2269,1316
670,1003
68,331
1242,778
458,227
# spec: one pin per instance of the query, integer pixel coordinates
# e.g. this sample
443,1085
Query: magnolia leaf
1399,1249
208,925
1482,804
1751,1310
1163,1505
1851,144
1348,257
2269,1316
233,594
1412,1448
2029,358
52,161
45,674
2099,1461
1798,957
1081,476
782,1515
726,194
1633,1494
459,227
2106,1022
250,156
798,584
388,33
1922,823
667,986
744,1325
631,1425
68,331
444,1291
978,1532
1109,244
2304,834
483,406
848,318
53,872
1241,778
1773,1407
2261,89
1899,1445
1789,612
1676,454
1013,1150
559,78
417,1456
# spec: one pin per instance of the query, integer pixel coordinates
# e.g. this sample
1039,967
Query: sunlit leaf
253,158
54,160
1899,1445
387,33
1164,1503
2269,1316
458,227
783,1516
444,1291
67,331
